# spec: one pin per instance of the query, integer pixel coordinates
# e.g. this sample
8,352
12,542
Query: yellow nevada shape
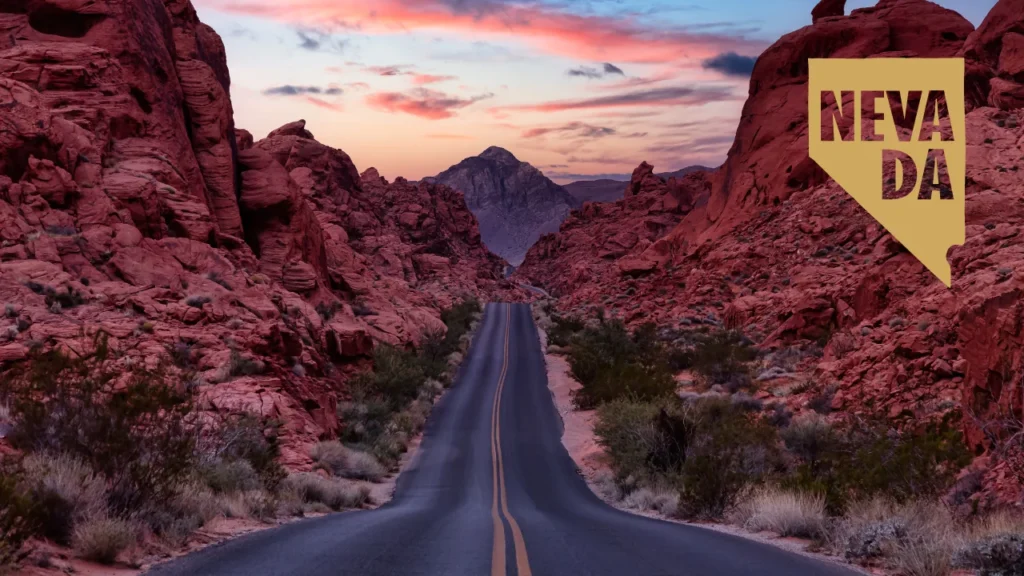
927,223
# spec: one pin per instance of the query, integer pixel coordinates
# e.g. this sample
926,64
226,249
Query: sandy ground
581,443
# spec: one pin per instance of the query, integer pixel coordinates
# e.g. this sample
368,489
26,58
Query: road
493,491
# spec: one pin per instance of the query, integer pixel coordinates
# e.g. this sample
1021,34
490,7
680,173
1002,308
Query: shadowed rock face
513,201
124,179
782,253
608,190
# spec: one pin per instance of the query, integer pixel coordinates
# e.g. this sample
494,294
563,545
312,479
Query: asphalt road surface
493,491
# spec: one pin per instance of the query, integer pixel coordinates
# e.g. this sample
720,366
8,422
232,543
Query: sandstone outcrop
130,205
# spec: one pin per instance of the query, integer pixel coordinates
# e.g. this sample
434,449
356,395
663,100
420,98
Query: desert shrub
102,539
249,438
182,354
433,354
460,316
347,462
65,491
611,363
915,538
240,365
197,301
360,309
17,521
726,453
67,298
721,357
176,518
627,430
993,546
784,512
397,374
333,493
870,459
563,328
133,428
708,448
327,310
664,501
231,476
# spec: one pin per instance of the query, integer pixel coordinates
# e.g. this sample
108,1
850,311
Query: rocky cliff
130,205
513,201
785,255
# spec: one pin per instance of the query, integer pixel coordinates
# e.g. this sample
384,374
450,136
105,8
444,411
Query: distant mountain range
610,190
514,202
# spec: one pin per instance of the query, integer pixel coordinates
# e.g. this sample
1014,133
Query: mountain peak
499,154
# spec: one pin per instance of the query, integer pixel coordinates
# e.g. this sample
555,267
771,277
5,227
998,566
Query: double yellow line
498,469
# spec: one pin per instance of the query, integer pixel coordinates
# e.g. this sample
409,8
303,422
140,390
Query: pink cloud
422,102
324,104
674,96
589,37
422,79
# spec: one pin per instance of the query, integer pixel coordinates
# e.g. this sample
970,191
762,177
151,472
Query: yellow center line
498,468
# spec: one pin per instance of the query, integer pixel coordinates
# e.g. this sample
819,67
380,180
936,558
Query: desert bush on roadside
915,538
871,459
563,328
231,476
347,462
66,491
102,539
664,500
727,453
710,450
611,363
993,546
17,523
131,427
784,512
335,494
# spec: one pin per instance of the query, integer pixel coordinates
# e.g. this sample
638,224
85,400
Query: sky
581,89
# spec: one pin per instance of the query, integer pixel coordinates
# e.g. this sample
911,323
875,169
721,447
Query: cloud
451,136
574,129
358,85
731,64
335,107
676,96
422,79
587,72
290,90
613,69
550,27
422,102
401,70
319,41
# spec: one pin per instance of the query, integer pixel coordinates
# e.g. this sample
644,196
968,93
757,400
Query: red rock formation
122,178
994,56
792,260
828,9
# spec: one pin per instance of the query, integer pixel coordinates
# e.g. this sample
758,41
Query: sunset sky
579,88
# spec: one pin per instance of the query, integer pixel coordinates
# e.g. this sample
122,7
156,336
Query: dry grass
915,539
663,501
994,545
347,462
333,493
71,480
787,513
102,539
